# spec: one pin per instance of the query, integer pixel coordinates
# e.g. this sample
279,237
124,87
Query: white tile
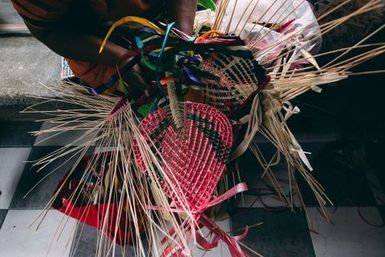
12,162
220,251
19,239
348,235
61,138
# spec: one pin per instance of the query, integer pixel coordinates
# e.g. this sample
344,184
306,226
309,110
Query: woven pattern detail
237,80
194,161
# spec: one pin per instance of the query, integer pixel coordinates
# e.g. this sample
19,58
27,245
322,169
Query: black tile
376,155
40,196
252,173
283,233
3,213
85,243
249,167
341,170
16,133
310,142
381,209
381,177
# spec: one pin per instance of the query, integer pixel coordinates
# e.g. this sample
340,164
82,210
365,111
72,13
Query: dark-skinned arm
70,43
183,13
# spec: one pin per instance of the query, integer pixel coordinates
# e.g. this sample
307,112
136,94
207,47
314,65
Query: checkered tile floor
356,231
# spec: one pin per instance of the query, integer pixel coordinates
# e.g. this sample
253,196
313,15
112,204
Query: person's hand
135,82
183,13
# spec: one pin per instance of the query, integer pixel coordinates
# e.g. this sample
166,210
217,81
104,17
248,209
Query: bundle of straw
159,157
362,24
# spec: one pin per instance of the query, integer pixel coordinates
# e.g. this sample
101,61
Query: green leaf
207,4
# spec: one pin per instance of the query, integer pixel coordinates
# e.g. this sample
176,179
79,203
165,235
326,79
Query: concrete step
10,21
26,66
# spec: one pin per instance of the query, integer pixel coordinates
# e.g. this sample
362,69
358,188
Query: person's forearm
183,12
71,44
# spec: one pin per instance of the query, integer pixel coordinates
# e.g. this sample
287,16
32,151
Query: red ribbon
285,26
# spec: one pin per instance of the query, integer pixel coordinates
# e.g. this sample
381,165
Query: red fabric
117,226
94,215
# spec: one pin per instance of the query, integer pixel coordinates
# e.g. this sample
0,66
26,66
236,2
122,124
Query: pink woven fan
195,160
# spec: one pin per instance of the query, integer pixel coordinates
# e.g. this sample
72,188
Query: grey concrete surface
26,68
10,21
7,13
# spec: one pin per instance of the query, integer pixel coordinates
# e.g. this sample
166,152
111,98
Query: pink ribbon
239,188
219,234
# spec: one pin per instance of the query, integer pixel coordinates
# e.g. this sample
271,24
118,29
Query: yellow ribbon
128,19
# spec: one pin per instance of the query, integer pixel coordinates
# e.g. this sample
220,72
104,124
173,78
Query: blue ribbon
166,36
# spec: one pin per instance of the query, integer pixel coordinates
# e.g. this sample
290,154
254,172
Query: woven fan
238,79
108,190
194,160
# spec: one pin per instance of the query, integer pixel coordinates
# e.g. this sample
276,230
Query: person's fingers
139,81
136,83
183,13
